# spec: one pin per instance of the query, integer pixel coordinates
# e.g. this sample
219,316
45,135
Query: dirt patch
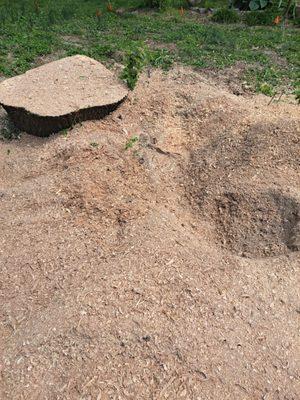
41,60
244,176
234,78
230,78
257,226
161,46
74,40
276,59
164,270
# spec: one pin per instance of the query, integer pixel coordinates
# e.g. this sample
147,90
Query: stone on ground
57,95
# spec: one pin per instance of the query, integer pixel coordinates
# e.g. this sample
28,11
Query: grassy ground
29,29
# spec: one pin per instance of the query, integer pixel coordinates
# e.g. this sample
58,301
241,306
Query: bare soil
169,270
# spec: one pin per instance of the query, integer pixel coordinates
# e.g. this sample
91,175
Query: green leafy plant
52,16
225,15
288,8
131,142
160,4
67,12
282,7
36,6
135,61
264,80
64,132
266,89
258,4
252,5
260,17
161,58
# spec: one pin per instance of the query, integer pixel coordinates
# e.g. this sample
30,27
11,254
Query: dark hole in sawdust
8,131
258,225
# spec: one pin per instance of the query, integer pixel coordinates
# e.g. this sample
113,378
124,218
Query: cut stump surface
57,95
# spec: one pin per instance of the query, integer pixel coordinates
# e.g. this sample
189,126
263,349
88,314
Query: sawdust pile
169,270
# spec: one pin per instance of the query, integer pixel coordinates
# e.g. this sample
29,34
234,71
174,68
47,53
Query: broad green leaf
263,3
254,5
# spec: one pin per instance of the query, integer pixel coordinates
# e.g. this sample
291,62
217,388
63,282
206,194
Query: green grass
225,16
131,142
71,27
